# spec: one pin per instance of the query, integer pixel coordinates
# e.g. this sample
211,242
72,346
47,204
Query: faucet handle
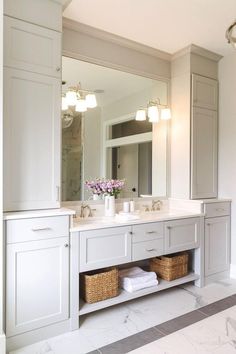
146,207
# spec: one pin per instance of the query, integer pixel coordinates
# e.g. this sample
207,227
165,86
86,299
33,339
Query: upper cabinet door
204,154
32,48
31,140
204,92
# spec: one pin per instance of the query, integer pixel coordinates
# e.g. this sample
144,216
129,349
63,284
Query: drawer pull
42,229
220,209
66,245
150,249
150,232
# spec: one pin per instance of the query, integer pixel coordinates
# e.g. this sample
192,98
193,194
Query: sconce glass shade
81,105
91,101
64,105
165,113
71,98
153,114
140,115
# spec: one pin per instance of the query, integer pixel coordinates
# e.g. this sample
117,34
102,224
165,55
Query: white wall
227,140
2,337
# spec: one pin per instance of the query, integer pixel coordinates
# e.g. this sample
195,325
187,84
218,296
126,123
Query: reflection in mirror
106,141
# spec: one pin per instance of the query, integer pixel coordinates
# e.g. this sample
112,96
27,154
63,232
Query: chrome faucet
83,207
156,205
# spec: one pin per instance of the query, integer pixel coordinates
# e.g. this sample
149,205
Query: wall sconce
153,111
81,99
231,34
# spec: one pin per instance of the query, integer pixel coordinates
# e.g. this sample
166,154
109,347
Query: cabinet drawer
217,209
148,232
37,228
104,248
147,249
32,48
182,235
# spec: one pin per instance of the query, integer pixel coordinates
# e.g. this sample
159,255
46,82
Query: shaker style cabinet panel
105,247
204,92
37,284
203,154
217,245
31,140
32,48
182,235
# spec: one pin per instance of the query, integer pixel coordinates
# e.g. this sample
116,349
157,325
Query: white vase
109,205
96,196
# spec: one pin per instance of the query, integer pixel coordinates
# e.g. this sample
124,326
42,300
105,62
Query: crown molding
194,49
113,38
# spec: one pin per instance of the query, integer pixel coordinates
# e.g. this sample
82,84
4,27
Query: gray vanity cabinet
105,247
217,239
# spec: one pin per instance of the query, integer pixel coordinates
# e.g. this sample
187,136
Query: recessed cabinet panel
34,229
105,247
32,48
31,140
37,284
217,245
147,249
146,232
204,154
204,92
182,235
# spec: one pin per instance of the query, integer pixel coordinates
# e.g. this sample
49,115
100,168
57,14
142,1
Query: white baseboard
2,344
233,271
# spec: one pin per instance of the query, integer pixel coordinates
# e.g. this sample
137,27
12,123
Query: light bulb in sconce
71,98
153,114
64,105
140,115
91,101
165,113
81,105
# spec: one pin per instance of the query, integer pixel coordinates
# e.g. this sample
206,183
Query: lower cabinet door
181,235
105,247
37,284
217,245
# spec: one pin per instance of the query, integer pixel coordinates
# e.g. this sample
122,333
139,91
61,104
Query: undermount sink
92,220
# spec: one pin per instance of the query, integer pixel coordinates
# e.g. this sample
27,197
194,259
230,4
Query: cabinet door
31,48
182,235
31,140
203,154
105,247
204,92
217,245
37,284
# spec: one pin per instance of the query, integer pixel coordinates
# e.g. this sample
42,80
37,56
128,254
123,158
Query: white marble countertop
94,223
14,215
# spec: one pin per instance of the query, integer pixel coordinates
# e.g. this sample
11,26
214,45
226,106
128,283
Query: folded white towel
135,287
135,278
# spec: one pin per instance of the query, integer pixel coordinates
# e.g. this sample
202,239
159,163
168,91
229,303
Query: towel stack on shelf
135,278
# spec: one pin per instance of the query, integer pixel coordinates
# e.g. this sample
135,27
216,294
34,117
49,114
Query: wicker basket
170,267
100,285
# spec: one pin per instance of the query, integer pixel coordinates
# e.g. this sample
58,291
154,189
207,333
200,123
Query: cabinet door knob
130,232
58,68
66,245
168,227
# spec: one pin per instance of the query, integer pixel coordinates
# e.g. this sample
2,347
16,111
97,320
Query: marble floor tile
215,334
103,327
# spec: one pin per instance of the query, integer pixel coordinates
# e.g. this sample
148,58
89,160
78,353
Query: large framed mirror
104,139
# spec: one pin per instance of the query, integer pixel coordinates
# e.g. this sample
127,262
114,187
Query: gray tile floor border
139,339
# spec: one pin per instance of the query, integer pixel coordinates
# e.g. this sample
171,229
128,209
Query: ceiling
168,25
